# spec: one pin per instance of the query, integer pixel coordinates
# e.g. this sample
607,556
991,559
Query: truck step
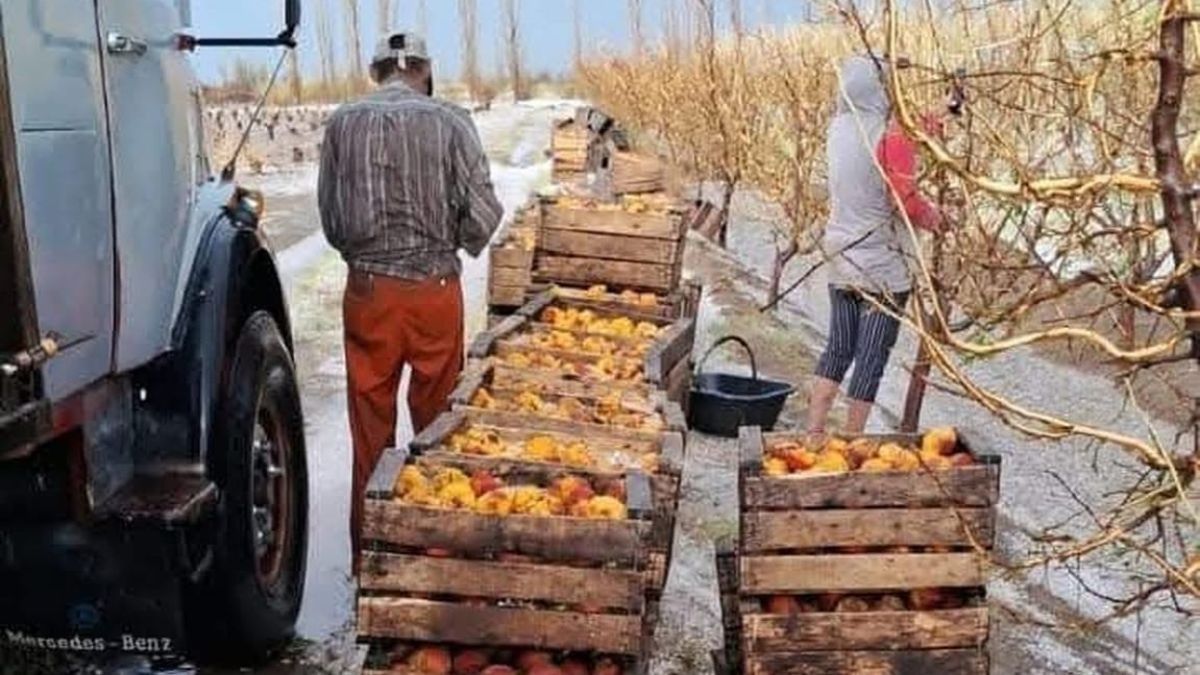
164,499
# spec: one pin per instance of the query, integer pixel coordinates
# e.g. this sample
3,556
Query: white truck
153,485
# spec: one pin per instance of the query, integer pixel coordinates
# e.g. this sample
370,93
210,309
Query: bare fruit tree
469,27
354,57
325,45
386,16
635,28
512,47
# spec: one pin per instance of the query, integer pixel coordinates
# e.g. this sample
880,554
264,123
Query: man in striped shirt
404,184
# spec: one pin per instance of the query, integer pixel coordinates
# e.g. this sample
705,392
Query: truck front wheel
247,607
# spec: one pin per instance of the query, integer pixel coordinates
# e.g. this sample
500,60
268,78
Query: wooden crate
681,303
660,362
584,246
447,577
666,415
635,173
510,270
838,534
615,452
569,140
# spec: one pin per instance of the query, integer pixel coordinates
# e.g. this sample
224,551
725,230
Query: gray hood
864,245
861,87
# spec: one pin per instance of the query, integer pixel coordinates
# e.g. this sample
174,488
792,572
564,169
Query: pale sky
546,26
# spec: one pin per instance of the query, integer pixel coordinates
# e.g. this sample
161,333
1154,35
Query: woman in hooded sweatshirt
866,241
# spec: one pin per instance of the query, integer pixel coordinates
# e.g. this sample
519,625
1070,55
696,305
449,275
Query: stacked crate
569,140
511,270
438,583
636,243
808,543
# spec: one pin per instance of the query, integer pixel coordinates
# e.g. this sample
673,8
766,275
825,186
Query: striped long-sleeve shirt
404,183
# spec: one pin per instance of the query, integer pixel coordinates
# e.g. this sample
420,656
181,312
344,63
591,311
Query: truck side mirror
291,13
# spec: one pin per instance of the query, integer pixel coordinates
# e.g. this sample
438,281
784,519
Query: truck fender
235,275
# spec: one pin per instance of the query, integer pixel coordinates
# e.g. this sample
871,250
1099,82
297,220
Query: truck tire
248,604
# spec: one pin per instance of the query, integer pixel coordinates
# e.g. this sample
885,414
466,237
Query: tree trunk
723,215
512,44
635,28
297,84
354,46
782,258
1176,190
470,30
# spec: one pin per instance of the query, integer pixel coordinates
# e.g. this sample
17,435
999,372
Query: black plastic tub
721,403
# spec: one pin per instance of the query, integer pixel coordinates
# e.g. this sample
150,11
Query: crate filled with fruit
416,658
557,335
862,554
489,441
635,241
498,561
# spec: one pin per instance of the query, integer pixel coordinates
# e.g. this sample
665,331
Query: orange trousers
391,323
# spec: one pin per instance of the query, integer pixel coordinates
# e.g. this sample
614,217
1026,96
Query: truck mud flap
101,589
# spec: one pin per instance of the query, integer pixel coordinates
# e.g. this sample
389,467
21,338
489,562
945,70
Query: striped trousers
862,335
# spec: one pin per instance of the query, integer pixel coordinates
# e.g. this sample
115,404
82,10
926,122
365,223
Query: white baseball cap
400,46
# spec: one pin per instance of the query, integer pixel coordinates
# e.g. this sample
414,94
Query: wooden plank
549,424
443,427
510,276
828,631
598,271
750,455
962,486
672,453
482,345
616,221
506,296
505,377
800,574
554,584
807,529
534,306
609,246
387,470
610,440
908,662
679,384
668,349
674,417
427,621
464,532
511,257
469,382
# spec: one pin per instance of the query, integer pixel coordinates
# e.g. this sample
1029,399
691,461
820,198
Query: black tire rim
271,494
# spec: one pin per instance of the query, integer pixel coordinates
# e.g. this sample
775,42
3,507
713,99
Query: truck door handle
123,44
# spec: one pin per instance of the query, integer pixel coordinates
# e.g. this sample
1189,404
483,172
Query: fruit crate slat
810,529
865,572
424,620
682,302
667,444
558,538
977,485
511,276
903,662
610,246
554,584
666,413
581,270
511,257
662,225
936,629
